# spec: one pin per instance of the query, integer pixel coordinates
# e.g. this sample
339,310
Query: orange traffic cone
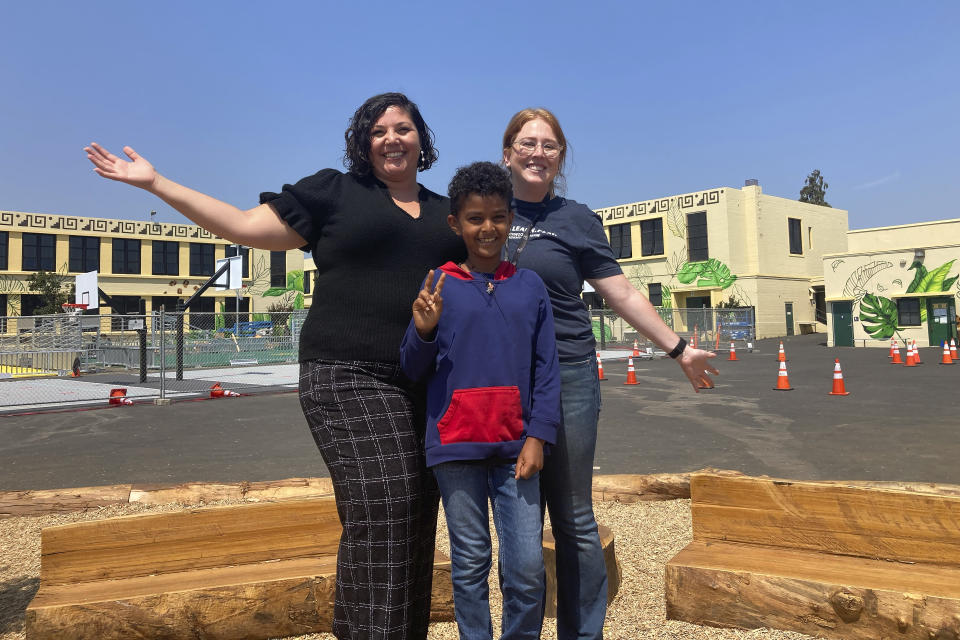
119,396
216,391
696,331
947,358
911,361
705,382
893,344
953,349
636,349
600,369
733,350
916,353
896,353
838,388
783,382
631,373
781,357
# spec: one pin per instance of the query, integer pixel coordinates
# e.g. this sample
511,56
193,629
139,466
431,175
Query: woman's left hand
696,365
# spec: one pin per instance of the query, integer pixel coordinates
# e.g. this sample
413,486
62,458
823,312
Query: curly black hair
480,178
357,135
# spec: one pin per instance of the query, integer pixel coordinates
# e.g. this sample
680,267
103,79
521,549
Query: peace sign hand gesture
428,306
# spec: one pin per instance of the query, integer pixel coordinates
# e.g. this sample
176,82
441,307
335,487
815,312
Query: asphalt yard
898,423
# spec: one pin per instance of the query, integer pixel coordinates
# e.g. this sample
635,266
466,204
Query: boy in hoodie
482,335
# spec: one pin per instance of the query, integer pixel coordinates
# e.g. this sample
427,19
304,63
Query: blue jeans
566,483
465,488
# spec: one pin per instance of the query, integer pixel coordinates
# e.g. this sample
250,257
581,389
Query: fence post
180,314
143,351
163,356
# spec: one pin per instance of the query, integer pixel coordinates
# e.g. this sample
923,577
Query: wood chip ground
647,535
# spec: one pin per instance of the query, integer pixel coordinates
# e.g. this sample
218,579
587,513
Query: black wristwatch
677,350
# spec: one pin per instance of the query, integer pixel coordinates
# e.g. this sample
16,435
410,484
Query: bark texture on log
831,559
14,504
550,565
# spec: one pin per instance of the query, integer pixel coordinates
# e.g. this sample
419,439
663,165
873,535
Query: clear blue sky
234,98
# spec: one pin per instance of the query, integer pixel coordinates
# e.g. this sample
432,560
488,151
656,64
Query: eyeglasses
527,147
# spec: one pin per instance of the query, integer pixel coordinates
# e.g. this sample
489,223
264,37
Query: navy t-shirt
566,246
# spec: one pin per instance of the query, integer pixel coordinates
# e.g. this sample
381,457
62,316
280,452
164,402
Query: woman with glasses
365,416
564,242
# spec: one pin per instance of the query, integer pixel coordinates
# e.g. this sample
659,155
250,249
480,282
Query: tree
815,190
50,287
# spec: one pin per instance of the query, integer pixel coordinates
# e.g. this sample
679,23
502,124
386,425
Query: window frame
78,245
651,296
203,259
621,240
651,237
905,316
125,256
795,236
4,251
231,251
161,250
278,279
37,260
697,254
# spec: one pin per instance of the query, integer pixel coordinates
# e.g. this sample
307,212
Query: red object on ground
783,381
733,351
600,369
838,387
631,373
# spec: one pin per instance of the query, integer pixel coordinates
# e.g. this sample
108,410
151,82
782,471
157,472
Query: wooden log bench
257,570
550,565
832,560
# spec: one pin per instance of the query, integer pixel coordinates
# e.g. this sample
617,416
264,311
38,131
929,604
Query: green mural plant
708,273
930,281
294,287
878,316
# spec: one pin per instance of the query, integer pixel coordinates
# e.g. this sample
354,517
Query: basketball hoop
73,309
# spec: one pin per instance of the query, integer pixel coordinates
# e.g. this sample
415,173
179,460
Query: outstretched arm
634,307
259,227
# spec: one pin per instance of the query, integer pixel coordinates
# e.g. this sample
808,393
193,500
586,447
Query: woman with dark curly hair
373,231
563,241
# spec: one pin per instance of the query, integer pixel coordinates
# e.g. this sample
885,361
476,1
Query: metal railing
43,351
709,328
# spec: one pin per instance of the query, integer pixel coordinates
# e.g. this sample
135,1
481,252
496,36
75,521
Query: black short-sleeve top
371,258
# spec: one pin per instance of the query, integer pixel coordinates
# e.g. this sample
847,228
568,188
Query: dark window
123,305
29,303
202,313
201,259
4,249
655,294
3,313
84,254
245,252
278,269
620,241
908,312
169,303
697,236
230,308
651,237
166,258
796,239
126,255
39,252
307,277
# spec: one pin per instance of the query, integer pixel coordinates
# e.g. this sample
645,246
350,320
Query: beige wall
748,234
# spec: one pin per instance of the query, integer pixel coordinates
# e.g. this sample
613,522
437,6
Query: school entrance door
842,323
940,320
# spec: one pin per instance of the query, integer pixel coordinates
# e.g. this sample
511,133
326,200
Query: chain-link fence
711,329
64,358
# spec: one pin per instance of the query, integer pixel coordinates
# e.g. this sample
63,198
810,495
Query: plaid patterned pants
367,422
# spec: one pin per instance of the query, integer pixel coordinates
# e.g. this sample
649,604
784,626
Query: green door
842,323
788,307
940,320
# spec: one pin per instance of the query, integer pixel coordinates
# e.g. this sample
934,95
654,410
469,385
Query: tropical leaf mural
292,293
878,316
675,221
667,297
709,273
930,281
857,282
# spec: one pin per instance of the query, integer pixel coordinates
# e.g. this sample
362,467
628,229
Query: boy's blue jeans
465,488
567,486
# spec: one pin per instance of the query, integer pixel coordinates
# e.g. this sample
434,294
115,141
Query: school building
898,282
696,250
157,263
